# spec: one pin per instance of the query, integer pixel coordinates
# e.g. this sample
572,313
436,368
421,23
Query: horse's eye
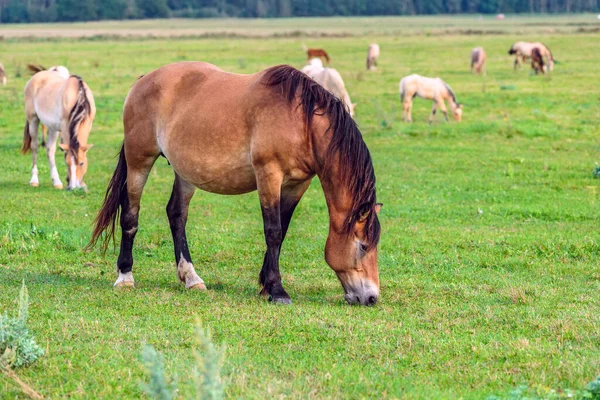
81,164
363,248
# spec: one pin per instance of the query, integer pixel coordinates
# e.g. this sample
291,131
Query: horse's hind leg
33,134
51,153
177,211
137,174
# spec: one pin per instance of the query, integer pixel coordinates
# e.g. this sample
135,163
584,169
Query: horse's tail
80,111
116,195
26,139
34,69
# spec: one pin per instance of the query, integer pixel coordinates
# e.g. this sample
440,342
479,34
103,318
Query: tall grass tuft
17,346
209,360
207,372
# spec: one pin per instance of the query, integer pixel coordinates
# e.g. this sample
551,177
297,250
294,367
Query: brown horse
316,53
537,61
224,133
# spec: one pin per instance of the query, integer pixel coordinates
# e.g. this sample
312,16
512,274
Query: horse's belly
50,118
235,178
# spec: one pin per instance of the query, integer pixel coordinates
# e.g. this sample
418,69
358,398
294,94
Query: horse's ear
86,147
64,147
378,207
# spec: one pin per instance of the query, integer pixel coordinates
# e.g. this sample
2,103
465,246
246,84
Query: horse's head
457,112
512,50
353,257
76,165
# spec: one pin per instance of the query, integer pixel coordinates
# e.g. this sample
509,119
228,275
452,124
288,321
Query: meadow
489,250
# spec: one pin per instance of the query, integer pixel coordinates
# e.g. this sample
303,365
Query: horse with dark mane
537,61
65,105
225,133
316,53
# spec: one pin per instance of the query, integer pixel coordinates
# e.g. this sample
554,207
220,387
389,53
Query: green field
488,256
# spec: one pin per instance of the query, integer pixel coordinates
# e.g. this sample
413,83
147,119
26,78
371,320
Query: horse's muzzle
367,298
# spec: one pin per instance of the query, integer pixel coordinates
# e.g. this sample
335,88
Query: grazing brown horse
537,61
316,53
224,133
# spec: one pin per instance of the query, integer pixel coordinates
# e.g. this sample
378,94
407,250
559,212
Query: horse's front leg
442,106
51,153
433,110
269,179
177,211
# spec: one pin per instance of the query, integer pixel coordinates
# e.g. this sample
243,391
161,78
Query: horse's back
205,121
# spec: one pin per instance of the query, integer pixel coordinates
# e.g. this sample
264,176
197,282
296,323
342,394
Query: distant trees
84,10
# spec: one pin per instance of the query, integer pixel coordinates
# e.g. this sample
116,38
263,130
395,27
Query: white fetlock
187,274
125,280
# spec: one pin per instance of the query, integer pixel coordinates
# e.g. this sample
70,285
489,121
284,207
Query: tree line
14,11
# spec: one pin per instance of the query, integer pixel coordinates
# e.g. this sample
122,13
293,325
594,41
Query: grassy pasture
488,259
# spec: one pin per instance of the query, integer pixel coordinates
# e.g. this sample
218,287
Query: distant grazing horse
316,53
522,51
537,61
428,88
2,74
331,80
372,56
478,59
224,133
66,106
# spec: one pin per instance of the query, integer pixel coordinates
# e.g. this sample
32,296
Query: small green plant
17,346
207,372
592,390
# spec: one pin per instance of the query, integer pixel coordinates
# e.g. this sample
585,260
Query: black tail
26,139
116,195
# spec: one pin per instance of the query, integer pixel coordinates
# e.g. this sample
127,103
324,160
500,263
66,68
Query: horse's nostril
357,300
372,300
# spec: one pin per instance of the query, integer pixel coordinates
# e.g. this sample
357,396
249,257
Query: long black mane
79,112
347,150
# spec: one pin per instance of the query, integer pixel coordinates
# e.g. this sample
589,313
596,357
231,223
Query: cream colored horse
372,56
428,88
66,106
478,59
2,74
331,80
522,51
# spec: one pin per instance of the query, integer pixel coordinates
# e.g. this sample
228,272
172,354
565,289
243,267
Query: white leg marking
34,177
124,279
73,183
188,275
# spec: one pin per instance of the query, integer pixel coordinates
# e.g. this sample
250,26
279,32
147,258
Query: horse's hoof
124,284
34,184
280,300
198,286
58,186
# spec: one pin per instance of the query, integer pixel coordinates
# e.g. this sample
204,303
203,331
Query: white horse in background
66,106
372,56
331,80
523,50
433,89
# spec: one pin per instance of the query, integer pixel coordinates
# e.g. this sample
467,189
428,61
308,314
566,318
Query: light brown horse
2,74
523,50
478,59
66,106
433,89
224,133
372,56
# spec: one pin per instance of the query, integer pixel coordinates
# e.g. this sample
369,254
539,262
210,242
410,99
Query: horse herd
272,131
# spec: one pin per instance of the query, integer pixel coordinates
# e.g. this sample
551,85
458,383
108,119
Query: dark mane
79,112
451,92
347,151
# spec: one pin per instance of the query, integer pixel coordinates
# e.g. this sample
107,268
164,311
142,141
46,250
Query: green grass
488,257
